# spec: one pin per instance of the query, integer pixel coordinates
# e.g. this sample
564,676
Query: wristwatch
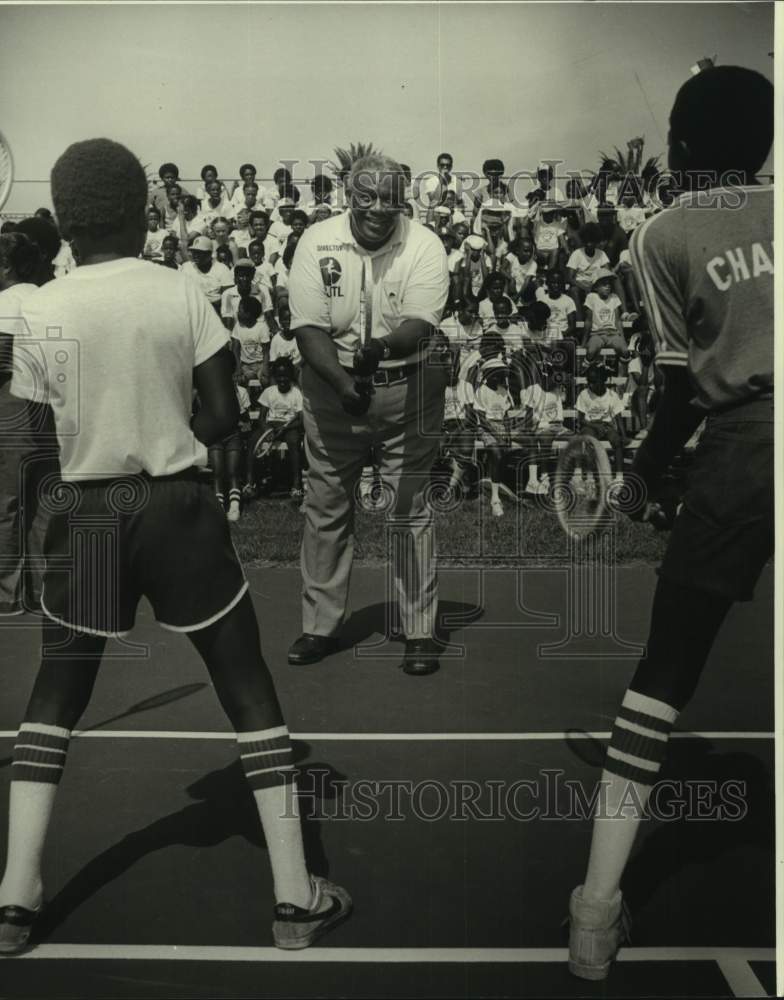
387,350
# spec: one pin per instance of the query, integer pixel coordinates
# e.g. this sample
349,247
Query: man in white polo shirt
366,290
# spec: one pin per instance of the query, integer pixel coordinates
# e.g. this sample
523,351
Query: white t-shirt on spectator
282,406
603,311
547,234
252,340
560,311
64,262
586,267
630,218
282,348
457,399
520,271
493,403
599,409
213,282
230,301
131,335
153,243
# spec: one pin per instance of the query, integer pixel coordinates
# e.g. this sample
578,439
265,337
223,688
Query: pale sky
227,83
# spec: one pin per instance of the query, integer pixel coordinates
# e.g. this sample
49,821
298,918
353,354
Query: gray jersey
705,270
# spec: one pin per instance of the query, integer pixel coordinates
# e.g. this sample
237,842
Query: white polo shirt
406,279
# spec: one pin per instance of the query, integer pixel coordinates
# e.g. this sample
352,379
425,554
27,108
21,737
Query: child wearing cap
472,271
599,413
603,327
241,289
211,276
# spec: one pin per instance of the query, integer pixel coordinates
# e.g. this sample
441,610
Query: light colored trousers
403,425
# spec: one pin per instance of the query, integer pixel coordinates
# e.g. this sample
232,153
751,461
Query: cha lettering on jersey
740,264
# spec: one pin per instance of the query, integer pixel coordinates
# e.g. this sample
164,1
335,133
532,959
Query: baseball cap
603,275
202,243
286,203
245,262
442,210
494,365
494,205
475,242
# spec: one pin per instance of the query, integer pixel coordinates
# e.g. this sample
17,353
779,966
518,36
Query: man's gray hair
370,166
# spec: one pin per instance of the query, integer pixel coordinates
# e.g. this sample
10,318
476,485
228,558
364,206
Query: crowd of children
542,299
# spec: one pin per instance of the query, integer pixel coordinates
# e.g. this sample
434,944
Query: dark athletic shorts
110,542
723,535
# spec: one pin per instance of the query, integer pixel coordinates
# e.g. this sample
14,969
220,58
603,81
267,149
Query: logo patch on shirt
331,272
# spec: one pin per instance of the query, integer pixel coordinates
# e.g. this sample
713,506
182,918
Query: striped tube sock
634,757
266,759
220,498
235,494
39,759
639,738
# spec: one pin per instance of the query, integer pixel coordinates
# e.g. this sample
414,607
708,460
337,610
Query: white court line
176,734
740,977
197,953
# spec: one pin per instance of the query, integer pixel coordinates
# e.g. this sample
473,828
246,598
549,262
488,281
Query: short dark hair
257,214
43,213
153,210
98,186
247,166
538,315
442,156
190,202
9,226
282,172
250,184
299,214
590,233
250,307
406,170
321,184
168,168
171,239
283,365
209,166
725,116
43,234
494,165
257,243
20,255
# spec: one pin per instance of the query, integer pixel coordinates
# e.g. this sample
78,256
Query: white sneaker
497,508
233,513
544,484
532,486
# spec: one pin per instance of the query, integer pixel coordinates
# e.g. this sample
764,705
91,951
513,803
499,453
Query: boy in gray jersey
705,269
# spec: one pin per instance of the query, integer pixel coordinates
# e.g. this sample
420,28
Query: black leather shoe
421,656
312,648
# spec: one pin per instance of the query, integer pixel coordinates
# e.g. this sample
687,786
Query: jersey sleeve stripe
638,260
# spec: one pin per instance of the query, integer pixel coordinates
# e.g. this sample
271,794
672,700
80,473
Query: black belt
388,376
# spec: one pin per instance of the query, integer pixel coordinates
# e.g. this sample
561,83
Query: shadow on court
224,808
699,778
156,701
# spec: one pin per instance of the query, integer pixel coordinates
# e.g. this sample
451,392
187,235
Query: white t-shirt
252,340
520,271
461,336
243,399
407,278
599,409
153,243
263,275
213,282
430,184
560,311
11,323
493,403
64,262
282,348
120,375
586,267
549,409
547,234
282,406
603,311
230,301
630,218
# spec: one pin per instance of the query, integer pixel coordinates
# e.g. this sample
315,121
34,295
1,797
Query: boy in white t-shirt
142,522
522,268
284,343
281,412
549,230
629,214
603,327
492,404
210,275
599,413
563,312
153,242
242,288
585,263
251,341
547,422
264,274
